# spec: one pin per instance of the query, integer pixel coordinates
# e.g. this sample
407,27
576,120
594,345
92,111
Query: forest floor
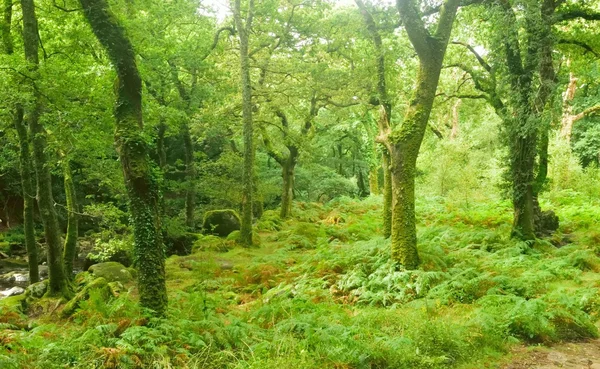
576,355
321,292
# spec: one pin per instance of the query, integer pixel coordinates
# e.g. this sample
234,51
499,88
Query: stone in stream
12,292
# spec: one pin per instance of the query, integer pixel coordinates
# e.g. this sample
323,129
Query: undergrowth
322,292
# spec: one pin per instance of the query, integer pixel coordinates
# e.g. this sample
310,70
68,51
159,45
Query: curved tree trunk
28,195
70,248
142,188
57,283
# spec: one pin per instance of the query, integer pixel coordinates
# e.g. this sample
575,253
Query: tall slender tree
244,28
57,285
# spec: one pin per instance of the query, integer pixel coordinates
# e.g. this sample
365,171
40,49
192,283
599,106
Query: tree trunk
70,248
190,174
387,194
142,188
248,169
5,27
287,173
57,284
160,146
374,180
28,195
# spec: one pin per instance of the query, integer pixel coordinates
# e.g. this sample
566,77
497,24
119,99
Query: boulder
12,292
111,271
221,222
14,278
97,284
43,270
37,290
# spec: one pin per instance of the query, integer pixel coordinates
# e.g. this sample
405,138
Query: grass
322,292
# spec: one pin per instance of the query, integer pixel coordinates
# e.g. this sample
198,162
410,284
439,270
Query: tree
141,186
404,141
57,285
244,28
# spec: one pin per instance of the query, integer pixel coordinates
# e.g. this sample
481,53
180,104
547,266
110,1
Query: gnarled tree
142,188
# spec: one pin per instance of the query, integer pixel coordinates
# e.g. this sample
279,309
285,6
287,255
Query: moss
73,304
13,303
221,222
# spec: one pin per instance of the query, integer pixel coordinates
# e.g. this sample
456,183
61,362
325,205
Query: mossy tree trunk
387,194
244,28
385,114
142,188
27,187
522,124
404,141
57,284
188,143
70,247
25,169
190,174
7,11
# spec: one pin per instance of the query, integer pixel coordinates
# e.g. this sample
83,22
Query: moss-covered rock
13,303
112,272
221,222
37,290
97,284
234,237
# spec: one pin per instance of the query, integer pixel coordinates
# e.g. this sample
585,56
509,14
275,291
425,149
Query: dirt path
582,355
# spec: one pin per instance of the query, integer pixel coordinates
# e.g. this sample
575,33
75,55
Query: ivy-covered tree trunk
190,174
70,248
27,187
387,193
142,187
243,29
57,284
404,141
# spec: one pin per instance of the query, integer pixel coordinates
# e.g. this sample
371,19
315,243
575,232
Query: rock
111,271
37,290
43,270
221,222
97,284
12,292
119,256
14,277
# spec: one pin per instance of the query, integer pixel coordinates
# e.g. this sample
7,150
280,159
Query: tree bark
25,169
142,187
57,284
387,194
27,187
404,142
190,173
70,248
248,169
5,27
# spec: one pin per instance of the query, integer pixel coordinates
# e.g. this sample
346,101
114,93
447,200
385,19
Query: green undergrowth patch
322,292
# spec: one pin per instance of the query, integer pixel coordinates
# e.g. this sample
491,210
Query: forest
338,184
